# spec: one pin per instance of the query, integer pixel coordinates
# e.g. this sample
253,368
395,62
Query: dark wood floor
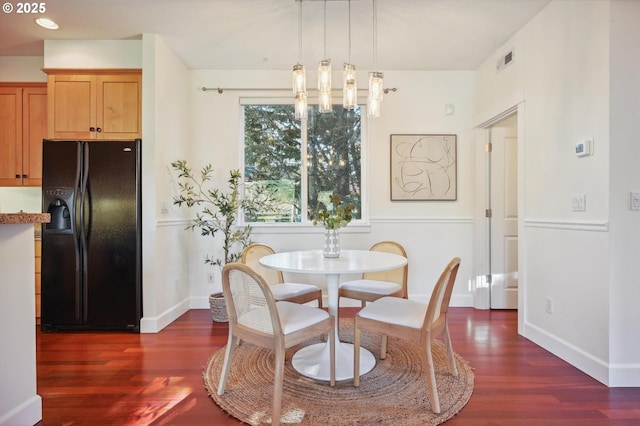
156,379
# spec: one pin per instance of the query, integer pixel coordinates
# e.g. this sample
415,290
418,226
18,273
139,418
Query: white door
503,166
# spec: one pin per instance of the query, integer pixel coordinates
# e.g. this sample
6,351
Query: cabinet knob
99,129
92,129
24,176
17,176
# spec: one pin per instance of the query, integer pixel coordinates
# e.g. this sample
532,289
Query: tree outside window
279,150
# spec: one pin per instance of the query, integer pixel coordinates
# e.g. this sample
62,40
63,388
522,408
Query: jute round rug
393,393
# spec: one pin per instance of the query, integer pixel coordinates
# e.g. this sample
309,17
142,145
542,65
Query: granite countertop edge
20,218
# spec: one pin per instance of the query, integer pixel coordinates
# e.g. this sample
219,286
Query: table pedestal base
313,361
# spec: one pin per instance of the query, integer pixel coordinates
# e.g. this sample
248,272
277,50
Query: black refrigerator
92,248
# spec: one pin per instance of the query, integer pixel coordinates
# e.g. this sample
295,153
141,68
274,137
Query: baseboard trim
583,361
155,324
27,413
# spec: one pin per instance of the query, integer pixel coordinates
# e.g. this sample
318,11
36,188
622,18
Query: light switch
634,201
449,109
578,202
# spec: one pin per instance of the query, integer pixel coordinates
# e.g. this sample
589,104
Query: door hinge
487,213
489,147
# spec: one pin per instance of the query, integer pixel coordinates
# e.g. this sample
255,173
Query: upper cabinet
23,125
104,104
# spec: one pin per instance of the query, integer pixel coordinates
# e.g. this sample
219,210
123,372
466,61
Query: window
306,161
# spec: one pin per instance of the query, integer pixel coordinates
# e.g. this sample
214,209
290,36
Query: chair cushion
294,316
395,310
371,286
287,290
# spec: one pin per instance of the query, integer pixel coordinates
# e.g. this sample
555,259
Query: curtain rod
266,89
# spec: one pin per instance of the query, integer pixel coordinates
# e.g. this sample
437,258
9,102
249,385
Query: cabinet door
119,112
72,106
10,136
34,129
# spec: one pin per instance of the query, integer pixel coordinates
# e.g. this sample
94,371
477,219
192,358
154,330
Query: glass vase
331,246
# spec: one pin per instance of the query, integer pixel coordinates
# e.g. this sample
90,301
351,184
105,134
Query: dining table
314,360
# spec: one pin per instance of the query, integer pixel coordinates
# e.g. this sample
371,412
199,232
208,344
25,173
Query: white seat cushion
371,286
287,290
394,310
294,316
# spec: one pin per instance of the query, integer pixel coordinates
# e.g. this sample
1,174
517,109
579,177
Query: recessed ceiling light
46,23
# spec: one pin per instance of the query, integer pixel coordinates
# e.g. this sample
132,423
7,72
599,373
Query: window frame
361,223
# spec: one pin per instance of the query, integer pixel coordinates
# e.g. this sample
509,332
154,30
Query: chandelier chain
375,36
325,31
300,34
349,31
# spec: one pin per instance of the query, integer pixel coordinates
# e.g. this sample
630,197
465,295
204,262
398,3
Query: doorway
502,213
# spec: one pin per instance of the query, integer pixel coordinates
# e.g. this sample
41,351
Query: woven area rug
393,393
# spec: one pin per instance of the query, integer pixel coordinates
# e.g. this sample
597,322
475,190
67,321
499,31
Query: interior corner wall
562,66
624,334
165,138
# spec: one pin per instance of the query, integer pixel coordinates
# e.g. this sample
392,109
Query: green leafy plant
220,209
336,217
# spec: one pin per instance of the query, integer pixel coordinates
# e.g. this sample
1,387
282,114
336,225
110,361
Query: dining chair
412,320
257,318
289,291
374,285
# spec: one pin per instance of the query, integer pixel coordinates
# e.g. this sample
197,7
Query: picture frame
423,167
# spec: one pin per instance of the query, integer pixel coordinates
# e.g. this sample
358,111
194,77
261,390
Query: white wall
432,232
95,54
165,137
562,68
624,114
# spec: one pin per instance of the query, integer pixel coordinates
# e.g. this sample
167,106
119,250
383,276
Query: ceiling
264,34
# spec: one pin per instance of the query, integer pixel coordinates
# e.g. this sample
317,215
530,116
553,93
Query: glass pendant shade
324,101
373,107
301,106
324,75
376,88
299,79
350,89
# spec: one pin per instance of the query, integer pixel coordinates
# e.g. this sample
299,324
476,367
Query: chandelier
350,87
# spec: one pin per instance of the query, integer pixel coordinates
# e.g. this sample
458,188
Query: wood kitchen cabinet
97,104
23,125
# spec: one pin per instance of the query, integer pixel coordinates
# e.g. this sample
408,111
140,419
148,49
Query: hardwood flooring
156,379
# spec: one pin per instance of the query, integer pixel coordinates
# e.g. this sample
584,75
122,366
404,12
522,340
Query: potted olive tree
218,214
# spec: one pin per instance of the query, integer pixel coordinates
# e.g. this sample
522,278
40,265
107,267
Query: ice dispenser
59,204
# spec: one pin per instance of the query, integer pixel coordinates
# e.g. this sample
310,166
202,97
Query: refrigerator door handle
85,220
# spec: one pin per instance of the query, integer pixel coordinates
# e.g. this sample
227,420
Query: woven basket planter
218,307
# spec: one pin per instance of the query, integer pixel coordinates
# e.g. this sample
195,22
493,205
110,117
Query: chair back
441,295
398,275
251,256
249,301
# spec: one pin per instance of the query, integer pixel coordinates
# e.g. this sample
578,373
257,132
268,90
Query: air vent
505,60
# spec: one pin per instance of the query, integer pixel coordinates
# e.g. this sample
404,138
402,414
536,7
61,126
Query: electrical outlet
548,305
211,278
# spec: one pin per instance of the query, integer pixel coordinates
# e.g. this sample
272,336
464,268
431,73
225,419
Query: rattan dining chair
257,318
289,291
412,320
374,285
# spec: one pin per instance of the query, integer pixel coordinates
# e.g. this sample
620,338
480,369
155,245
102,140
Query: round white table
313,360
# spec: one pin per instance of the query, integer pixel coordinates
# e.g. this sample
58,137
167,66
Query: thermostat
583,148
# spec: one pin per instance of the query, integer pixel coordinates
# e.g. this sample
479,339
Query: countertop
23,217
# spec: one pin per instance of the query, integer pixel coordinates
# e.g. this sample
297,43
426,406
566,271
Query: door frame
515,104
